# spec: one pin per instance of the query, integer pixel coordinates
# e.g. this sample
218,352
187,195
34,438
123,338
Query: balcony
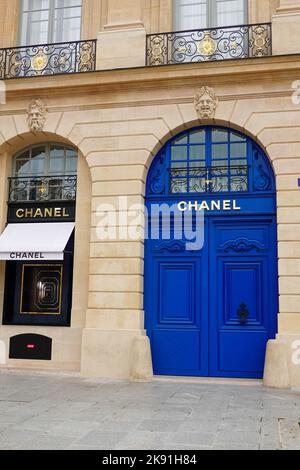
42,189
48,59
201,45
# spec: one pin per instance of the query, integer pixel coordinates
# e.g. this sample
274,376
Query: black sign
30,346
41,212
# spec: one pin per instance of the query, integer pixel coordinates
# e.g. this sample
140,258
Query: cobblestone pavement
47,411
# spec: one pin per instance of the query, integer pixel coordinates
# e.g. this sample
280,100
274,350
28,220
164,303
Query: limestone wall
118,120
118,123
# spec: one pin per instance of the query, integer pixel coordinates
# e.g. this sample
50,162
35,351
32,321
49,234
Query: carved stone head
206,102
36,115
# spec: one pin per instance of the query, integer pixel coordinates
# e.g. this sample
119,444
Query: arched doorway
211,311
38,241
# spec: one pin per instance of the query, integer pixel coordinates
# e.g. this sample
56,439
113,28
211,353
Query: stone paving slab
49,411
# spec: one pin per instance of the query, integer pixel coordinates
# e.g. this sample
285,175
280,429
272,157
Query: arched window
210,160
44,172
46,160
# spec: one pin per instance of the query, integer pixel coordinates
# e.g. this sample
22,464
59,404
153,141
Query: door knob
243,313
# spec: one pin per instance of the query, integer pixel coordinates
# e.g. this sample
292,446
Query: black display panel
39,293
30,346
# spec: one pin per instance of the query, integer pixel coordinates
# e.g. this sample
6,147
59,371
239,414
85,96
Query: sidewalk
48,411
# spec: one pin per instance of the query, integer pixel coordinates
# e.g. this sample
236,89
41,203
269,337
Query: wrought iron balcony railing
199,45
48,59
213,179
42,188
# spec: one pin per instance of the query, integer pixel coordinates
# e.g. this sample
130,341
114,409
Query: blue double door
211,312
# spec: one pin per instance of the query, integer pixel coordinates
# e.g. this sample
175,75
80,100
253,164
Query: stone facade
118,121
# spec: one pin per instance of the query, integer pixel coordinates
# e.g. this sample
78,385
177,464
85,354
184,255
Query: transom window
46,160
50,21
44,173
200,14
209,160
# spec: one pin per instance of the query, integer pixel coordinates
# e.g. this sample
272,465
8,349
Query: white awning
35,242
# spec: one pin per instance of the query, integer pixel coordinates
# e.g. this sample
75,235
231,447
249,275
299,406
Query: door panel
179,315
243,311
177,352
176,299
243,285
241,353
211,312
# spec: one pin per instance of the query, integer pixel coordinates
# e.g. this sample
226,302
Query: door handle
243,313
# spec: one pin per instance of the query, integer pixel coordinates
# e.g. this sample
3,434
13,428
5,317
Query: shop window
39,293
41,289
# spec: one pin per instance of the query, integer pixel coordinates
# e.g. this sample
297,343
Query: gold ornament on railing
42,189
259,40
156,51
62,60
207,46
85,57
39,61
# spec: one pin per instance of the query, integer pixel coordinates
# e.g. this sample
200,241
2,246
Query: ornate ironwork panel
234,42
48,59
42,188
209,179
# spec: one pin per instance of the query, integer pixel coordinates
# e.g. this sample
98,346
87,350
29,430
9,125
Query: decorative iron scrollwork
48,59
42,188
243,313
260,40
232,42
216,179
157,176
86,56
261,174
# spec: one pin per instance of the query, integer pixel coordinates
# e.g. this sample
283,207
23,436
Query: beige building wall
118,121
9,22
118,128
